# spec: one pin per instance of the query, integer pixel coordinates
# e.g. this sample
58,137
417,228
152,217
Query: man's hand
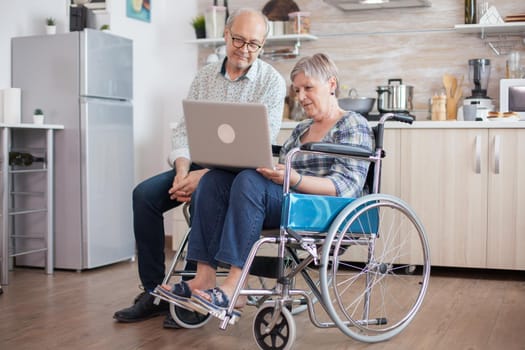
184,184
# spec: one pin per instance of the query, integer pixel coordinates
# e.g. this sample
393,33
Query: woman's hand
277,174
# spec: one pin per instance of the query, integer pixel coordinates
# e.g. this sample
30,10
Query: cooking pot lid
390,85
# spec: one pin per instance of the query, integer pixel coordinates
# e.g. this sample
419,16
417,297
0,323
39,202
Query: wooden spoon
459,90
448,83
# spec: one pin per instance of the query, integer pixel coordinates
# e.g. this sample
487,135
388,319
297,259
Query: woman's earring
332,93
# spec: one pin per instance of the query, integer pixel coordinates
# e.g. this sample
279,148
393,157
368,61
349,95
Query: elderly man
240,77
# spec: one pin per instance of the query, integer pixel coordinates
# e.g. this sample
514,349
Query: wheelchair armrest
276,150
335,148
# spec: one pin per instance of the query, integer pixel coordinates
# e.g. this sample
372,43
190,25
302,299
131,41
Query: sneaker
142,309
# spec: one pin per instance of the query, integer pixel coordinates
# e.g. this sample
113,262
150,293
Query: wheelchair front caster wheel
187,318
281,336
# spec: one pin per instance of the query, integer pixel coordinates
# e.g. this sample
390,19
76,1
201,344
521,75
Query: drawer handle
497,142
477,159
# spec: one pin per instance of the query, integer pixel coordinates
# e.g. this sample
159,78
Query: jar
215,18
299,22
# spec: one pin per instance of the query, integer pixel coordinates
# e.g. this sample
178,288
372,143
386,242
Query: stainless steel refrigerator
84,81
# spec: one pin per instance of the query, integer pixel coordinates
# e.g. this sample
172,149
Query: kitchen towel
12,105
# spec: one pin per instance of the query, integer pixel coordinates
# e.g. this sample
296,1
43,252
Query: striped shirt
261,84
348,175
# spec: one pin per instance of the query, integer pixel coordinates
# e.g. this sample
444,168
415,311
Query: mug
470,112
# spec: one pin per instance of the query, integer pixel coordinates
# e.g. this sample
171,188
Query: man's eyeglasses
239,44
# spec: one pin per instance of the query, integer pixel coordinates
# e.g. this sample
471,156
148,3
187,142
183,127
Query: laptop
226,135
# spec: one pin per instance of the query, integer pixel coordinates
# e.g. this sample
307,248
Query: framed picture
139,9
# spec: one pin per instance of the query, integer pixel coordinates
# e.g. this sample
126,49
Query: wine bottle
22,158
470,11
225,3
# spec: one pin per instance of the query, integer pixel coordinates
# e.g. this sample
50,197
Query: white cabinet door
506,182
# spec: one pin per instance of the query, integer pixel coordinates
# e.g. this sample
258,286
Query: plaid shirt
348,175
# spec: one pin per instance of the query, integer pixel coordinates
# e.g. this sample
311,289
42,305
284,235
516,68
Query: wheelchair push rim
374,284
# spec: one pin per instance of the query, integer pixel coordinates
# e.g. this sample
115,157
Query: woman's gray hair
231,18
318,66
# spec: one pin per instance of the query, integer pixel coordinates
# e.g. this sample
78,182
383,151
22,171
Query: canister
299,22
215,18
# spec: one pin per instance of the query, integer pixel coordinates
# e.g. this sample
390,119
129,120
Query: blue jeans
229,212
150,201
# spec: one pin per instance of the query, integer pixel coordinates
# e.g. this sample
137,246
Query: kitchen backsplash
418,45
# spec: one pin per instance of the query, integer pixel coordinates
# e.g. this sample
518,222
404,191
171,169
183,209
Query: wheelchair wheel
281,336
187,318
375,268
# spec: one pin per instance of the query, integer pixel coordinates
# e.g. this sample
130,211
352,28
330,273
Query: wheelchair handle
403,118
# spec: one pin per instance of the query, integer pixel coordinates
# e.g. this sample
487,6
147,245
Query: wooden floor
464,309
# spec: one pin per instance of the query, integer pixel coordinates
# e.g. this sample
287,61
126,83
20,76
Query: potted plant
38,116
104,27
51,27
199,25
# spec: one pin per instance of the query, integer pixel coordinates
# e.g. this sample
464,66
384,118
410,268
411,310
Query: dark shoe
142,309
170,323
189,319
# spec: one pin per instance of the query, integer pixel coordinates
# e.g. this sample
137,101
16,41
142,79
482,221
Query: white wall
21,18
163,64
163,69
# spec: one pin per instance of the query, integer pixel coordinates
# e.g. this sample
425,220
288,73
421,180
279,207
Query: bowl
361,105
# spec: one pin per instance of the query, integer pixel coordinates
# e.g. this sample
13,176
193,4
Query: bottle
225,4
470,11
439,107
21,158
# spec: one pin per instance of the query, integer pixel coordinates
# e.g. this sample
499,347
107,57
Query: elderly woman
230,210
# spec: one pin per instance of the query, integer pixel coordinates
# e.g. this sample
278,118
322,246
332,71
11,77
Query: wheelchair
364,262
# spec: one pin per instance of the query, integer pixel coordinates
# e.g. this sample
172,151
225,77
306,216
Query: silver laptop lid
231,136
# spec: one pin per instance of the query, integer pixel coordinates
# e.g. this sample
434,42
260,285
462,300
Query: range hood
355,5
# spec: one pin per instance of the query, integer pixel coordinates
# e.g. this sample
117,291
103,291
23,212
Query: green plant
198,22
50,21
38,111
104,27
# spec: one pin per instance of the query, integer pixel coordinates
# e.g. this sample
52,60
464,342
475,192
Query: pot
362,105
395,98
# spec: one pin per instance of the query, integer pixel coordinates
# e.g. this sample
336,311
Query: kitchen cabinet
464,185
439,181
506,190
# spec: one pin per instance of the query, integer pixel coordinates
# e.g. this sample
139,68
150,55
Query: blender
479,74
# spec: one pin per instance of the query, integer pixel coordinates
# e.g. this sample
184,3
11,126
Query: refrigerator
84,81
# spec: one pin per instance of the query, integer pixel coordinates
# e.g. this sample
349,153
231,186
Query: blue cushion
314,213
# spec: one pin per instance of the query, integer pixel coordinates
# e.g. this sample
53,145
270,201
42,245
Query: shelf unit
286,39
501,38
37,140
359,5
